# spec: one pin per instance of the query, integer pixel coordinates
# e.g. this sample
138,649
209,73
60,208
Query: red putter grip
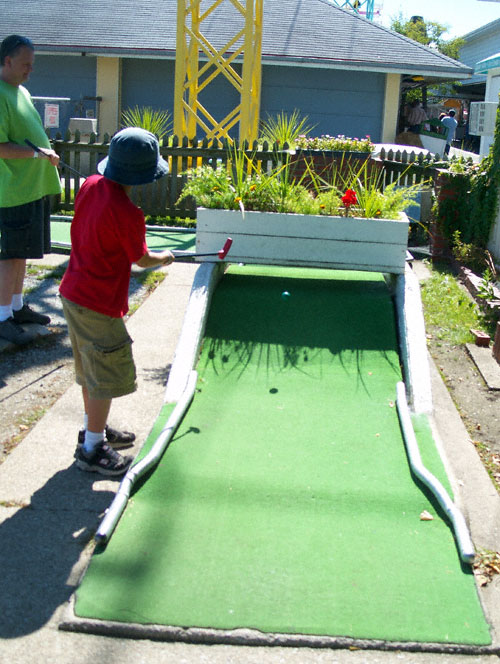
227,246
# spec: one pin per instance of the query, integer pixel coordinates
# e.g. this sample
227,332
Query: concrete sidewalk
49,511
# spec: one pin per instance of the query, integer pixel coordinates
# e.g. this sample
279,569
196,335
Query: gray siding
337,102
478,50
148,82
64,76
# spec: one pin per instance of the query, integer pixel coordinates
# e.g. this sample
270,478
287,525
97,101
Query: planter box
434,143
346,243
324,163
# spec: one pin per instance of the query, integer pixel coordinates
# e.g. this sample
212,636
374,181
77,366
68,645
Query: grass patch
150,279
42,272
449,312
24,423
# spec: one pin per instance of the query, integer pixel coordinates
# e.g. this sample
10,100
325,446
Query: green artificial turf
285,502
157,238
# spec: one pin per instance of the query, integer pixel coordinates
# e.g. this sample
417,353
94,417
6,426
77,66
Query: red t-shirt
108,234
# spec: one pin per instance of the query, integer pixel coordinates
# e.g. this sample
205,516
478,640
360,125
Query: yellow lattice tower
193,74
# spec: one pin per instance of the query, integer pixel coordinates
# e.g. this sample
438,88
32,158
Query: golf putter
222,253
61,163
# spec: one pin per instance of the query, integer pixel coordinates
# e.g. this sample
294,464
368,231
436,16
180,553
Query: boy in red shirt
108,234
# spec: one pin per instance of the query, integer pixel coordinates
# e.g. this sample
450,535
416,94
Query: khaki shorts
102,352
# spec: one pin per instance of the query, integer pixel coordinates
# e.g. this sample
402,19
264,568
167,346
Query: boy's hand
168,257
155,258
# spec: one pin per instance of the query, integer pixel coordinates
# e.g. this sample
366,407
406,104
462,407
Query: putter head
227,246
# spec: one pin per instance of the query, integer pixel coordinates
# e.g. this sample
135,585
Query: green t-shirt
23,180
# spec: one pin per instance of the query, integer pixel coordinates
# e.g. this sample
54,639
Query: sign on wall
51,116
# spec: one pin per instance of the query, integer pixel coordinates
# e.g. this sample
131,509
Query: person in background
108,234
450,125
27,179
416,115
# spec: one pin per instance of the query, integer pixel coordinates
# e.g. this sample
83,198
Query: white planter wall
433,144
374,245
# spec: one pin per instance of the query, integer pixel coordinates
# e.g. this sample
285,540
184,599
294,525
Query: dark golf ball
285,295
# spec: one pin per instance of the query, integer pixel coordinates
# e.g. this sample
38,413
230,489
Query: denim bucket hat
133,158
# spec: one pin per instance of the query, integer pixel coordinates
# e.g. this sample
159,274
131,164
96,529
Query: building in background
344,72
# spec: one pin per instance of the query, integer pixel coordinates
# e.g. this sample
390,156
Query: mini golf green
157,238
285,502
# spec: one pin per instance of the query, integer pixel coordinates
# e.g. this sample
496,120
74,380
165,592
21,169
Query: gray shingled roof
298,31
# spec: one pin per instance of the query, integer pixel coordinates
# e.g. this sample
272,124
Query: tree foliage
429,33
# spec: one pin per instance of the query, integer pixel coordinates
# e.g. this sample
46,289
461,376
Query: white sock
85,421
92,440
5,312
17,301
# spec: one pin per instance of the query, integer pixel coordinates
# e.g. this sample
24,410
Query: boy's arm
154,258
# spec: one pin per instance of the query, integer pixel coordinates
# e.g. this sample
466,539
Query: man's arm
154,258
15,151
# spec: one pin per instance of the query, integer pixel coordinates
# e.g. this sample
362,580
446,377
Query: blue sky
462,16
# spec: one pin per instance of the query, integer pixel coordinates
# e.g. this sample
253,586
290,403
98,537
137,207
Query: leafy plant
472,202
468,254
285,128
364,195
338,143
240,185
487,286
145,117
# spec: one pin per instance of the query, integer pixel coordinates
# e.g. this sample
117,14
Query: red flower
349,198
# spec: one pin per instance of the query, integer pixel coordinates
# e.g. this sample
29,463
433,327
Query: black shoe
13,332
103,460
118,440
27,315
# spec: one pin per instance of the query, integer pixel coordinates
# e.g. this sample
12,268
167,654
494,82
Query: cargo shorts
102,351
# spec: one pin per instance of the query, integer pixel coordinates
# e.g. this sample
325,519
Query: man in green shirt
27,179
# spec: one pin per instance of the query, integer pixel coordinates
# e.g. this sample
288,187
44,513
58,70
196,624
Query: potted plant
347,222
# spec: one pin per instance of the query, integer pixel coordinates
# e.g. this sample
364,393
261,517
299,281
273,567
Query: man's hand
52,156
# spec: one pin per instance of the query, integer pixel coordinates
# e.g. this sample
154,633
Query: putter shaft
61,162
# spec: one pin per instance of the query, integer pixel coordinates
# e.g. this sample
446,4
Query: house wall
491,94
346,102
336,101
391,107
151,83
108,86
148,83
479,45
65,76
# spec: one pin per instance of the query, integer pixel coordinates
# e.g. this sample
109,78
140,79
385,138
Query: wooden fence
160,198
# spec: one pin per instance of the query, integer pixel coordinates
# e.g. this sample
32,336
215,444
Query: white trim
401,69
346,243
412,341
193,327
